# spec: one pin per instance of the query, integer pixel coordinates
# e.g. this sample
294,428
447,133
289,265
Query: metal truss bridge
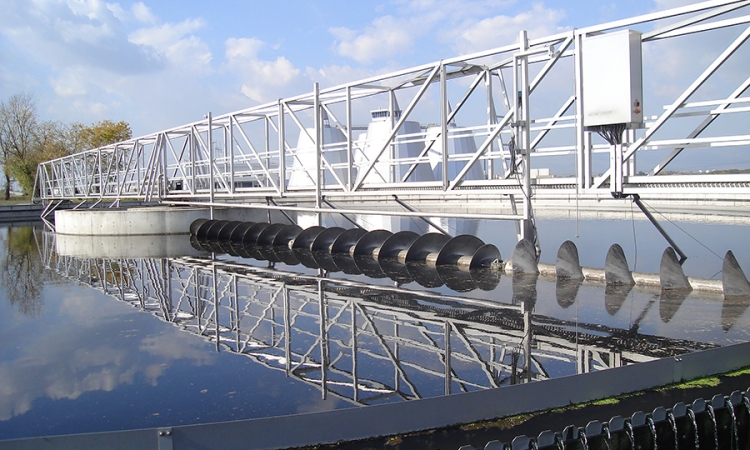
362,343
505,125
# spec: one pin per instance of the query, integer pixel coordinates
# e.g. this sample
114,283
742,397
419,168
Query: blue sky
159,64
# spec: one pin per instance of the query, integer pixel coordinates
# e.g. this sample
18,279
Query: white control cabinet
613,80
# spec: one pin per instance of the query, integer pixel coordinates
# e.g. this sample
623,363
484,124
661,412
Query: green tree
98,134
25,142
18,122
50,142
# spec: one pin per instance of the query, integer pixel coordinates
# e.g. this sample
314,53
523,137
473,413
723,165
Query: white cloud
387,36
58,365
139,12
334,75
241,49
58,34
118,11
176,42
92,9
261,79
142,13
69,84
103,61
432,12
502,30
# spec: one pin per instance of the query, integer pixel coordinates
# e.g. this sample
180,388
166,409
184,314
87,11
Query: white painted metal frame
250,155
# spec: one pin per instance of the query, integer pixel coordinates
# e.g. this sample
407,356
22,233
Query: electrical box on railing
612,80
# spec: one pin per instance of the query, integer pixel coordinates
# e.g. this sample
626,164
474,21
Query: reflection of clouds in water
69,376
170,346
98,350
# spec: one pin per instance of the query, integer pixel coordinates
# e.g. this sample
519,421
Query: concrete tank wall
127,222
115,247
151,220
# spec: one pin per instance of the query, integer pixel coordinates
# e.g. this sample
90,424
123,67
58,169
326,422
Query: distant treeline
26,141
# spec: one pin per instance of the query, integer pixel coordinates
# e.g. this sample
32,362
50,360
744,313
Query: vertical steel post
267,140
444,124
138,156
323,339
287,333
101,184
282,150
211,164
448,370
491,120
192,160
630,163
163,162
583,138
523,133
231,155
170,303
236,325
349,156
616,166
318,150
396,357
355,378
225,139
526,309
392,144
216,307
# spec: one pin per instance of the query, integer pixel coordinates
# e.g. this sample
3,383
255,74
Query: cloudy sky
159,64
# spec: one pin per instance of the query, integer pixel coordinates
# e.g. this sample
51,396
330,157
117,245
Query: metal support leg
637,201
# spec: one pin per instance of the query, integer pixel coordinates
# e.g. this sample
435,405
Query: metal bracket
429,222
352,221
164,438
637,200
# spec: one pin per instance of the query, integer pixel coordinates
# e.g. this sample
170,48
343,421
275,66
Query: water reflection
367,344
732,310
21,274
307,339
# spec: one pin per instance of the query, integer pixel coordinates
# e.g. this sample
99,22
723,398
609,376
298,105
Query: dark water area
99,342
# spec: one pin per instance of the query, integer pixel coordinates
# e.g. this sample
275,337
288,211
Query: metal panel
612,80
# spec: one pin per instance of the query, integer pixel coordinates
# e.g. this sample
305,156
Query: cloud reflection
99,350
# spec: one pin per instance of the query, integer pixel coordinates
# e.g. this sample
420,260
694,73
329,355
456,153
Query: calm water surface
92,343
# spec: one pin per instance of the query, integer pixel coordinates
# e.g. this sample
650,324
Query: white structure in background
303,161
307,220
396,160
459,143
455,227
392,223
